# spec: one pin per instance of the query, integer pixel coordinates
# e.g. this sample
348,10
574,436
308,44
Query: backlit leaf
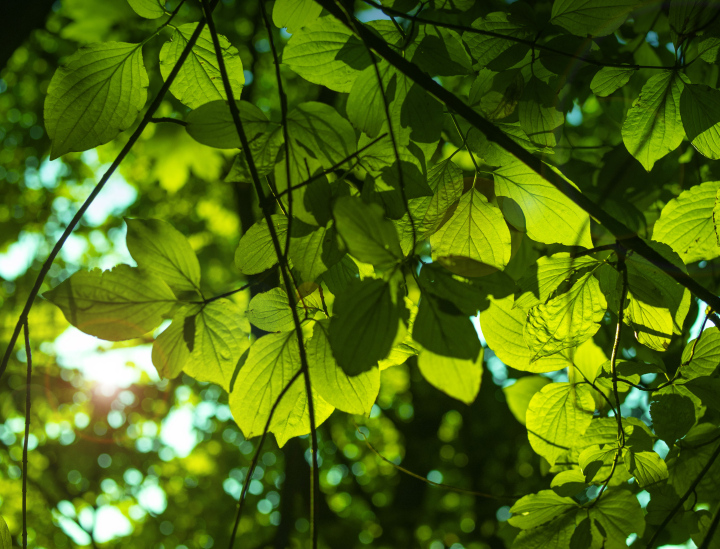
519,394
653,126
535,509
119,304
535,206
295,14
159,248
701,118
95,95
363,326
701,356
556,416
199,80
455,377
566,320
610,79
256,251
476,233
150,9
270,311
686,223
325,52
591,17
351,394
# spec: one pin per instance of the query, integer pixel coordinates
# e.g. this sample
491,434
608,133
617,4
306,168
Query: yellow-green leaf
455,377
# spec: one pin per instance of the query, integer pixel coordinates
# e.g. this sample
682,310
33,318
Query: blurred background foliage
118,456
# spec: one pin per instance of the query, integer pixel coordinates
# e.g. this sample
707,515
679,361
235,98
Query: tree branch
235,113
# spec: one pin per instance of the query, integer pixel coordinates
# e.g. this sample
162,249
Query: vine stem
256,457
616,344
304,368
332,168
684,497
28,355
494,134
96,191
431,482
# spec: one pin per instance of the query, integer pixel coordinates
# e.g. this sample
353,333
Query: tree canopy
328,273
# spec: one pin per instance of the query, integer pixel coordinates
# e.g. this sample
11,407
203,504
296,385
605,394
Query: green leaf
320,128
535,206
593,458
341,274
647,467
539,113
295,14
363,326
95,95
160,249
657,305
653,126
716,218
701,356
325,52
619,513
700,115
534,510
673,415
367,234
557,416
502,326
519,394
544,276
199,80
591,17
476,233
351,394
270,311
119,304
439,52
568,483
707,389
610,79
455,377
313,252
149,9
256,252
216,344
171,349
443,329
436,280
555,534
690,16
5,538
566,320
686,223
273,361
414,113
486,48
211,124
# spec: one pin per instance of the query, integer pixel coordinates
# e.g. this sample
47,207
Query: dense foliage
310,261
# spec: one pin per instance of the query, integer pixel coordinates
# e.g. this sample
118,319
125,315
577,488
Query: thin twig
333,167
616,344
253,463
168,120
235,113
99,187
530,43
28,356
432,482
